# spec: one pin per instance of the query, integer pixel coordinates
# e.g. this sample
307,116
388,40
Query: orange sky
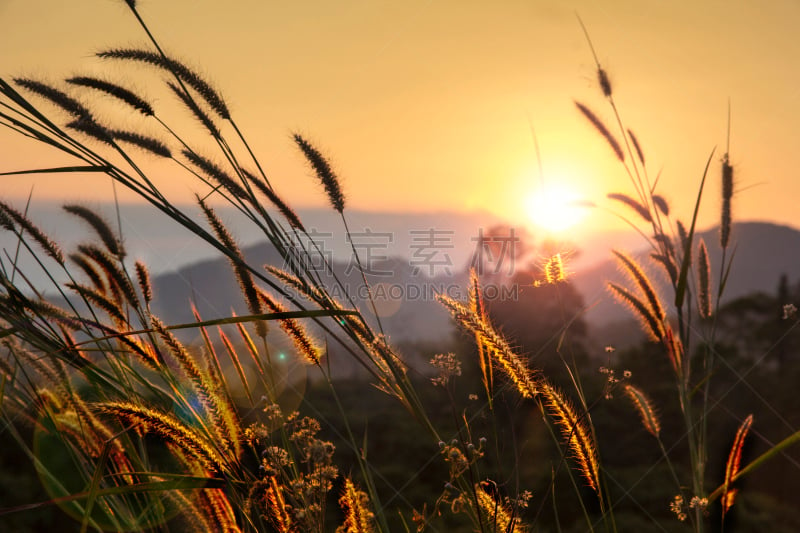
427,105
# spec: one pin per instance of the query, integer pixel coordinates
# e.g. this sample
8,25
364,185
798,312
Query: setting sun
555,207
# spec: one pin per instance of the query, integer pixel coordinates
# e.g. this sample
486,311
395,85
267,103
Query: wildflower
524,498
789,311
448,366
626,374
698,502
676,506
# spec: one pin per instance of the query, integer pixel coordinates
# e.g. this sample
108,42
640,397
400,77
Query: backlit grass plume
644,407
643,312
200,114
497,514
183,72
11,217
168,427
602,130
145,285
213,171
732,466
284,208
324,172
272,499
554,271
654,315
146,143
575,432
116,91
636,146
727,195
518,372
243,274
477,306
100,226
355,504
641,210
56,96
703,281
305,345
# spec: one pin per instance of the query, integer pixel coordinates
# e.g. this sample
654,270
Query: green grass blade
680,290
757,462
95,485
180,483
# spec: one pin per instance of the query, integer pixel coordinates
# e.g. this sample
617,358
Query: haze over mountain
762,253
408,269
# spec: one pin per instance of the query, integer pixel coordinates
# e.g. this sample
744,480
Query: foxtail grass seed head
661,204
117,278
146,143
49,246
57,97
734,461
637,147
637,275
188,76
90,271
640,209
355,504
198,113
88,126
117,91
523,378
243,275
305,345
100,301
274,501
669,265
287,212
650,323
727,195
602,130
674,350
169,428
100,226
703,281
554,270
573,428
605,83
497,513
214,172
324,172
143,276
644,407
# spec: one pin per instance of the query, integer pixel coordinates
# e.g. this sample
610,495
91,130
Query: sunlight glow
555,207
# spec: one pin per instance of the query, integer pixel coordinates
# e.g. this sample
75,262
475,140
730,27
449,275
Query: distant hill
763,252
185,269
404,298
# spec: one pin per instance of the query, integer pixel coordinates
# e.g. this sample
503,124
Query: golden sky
426,106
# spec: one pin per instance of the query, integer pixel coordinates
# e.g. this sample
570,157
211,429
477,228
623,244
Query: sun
555,207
